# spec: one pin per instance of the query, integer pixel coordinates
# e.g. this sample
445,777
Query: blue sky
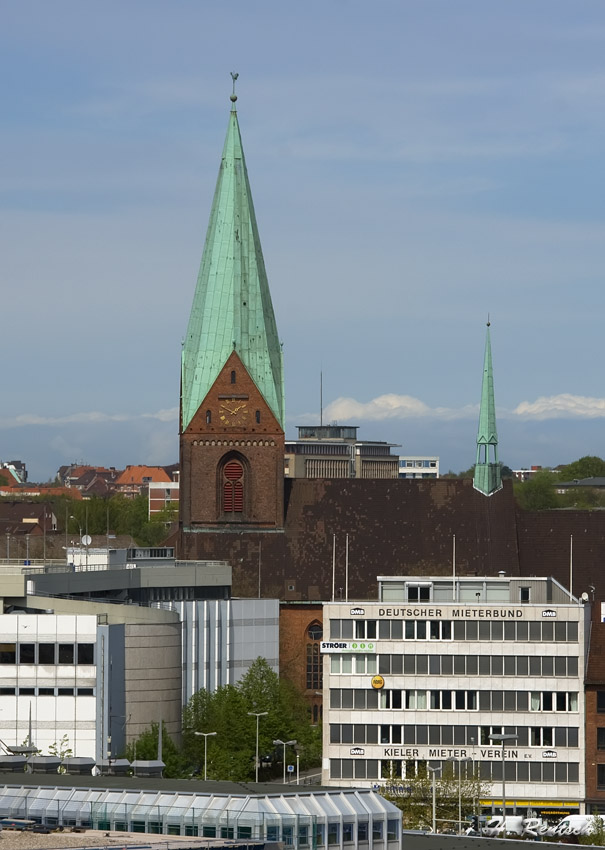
414,165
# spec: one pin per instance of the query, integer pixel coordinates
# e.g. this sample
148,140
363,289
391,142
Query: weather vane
234,77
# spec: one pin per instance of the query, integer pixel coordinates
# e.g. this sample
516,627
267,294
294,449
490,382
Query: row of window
449,736
456,665
417,699
489,771
305,836
426,464
47,692
47,653
458,630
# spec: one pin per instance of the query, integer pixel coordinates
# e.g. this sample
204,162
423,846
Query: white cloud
388,406
563,406
93,417
402,407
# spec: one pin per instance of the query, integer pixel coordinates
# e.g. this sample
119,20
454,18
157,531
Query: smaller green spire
487,478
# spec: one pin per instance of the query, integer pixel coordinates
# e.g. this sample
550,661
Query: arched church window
233,376
314,671
257,417
208,417
233,487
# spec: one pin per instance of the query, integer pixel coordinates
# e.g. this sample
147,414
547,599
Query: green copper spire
487,478
232,309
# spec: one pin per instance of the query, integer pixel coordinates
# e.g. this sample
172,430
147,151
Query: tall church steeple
232,309
232,396
487,478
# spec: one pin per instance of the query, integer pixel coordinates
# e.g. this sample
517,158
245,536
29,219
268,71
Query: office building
438,666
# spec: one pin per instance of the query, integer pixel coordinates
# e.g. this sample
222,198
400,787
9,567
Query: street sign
290,768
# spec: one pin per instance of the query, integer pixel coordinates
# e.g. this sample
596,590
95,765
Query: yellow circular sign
377,682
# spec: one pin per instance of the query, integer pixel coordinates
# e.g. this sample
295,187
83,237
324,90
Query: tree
232,752
538,493
596,836
145,748
588,466
414,796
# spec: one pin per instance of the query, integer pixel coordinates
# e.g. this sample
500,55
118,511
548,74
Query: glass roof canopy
300,819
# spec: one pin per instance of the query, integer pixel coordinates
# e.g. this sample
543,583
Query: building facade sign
347,646
454,613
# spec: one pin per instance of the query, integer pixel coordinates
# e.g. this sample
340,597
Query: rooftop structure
334,451
418,466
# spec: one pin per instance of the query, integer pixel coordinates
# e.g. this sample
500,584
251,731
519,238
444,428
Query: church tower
487,478
232,389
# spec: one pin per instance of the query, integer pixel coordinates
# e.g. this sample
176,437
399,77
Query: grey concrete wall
152,674
420,841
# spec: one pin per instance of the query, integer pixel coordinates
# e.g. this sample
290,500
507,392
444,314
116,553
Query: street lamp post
257,714
206,736
476,806
459,762
503,739
284,744
434,771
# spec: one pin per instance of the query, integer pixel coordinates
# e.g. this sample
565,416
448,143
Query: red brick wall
260,446
294,621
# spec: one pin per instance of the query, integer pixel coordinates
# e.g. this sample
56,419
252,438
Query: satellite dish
86,540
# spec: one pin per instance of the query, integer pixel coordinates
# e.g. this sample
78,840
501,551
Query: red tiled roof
137,474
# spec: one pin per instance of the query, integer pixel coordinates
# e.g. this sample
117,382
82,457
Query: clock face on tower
233,412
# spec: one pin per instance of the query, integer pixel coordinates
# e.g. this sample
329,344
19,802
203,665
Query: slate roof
395,527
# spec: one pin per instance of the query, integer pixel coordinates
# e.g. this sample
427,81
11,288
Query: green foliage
538,493
597,833
232,751
588,466
61,749
465,473
416,803
145,748
582,498
117,515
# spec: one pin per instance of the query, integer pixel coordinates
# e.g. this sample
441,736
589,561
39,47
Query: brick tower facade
232,457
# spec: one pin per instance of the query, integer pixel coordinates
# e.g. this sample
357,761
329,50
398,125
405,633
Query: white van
573,825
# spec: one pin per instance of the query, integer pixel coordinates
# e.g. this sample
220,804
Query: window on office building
419,593
601,738
601,702
8,653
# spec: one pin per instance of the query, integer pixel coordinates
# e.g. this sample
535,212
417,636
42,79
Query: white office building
438,666
418,466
